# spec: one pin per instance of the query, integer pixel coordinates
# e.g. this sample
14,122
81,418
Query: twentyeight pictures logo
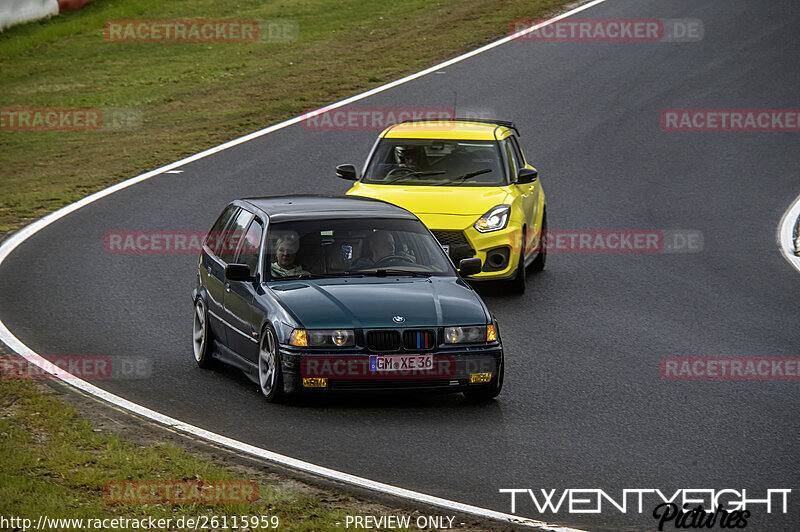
683,508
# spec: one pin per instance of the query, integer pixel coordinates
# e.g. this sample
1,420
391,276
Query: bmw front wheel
201,341
270,378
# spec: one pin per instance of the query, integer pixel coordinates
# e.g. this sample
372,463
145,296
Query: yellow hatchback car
470,183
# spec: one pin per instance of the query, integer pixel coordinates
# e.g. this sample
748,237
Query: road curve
584,404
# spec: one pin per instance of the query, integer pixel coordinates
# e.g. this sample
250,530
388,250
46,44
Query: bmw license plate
400,363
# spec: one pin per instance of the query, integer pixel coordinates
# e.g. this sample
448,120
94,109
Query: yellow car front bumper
499,251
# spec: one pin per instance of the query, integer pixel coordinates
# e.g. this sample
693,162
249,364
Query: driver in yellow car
413,158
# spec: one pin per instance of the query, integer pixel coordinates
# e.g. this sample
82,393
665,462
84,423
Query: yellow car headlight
494,220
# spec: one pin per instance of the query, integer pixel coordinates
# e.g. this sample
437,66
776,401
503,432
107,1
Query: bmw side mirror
346,171
239,272
469,266
527,175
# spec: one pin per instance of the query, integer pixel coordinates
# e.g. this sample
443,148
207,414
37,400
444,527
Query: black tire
538,263
517,284
202,340
489,392
270,376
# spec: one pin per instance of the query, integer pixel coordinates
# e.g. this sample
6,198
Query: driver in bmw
380,245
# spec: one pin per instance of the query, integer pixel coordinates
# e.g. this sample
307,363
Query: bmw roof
308,206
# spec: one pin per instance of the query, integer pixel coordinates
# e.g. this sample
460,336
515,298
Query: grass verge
186,97
57,465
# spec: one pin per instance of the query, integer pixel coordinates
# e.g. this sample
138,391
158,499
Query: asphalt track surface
584,405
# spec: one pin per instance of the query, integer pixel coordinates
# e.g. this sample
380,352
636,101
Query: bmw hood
371,302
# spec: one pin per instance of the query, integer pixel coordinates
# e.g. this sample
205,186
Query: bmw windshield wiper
465,177
334,274
317,276
384,272
415,174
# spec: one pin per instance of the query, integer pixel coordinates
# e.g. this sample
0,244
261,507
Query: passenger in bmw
286,248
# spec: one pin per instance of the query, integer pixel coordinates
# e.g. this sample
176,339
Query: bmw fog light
480,378
315,382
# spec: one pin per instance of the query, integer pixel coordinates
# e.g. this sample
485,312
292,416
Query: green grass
55,464
195,96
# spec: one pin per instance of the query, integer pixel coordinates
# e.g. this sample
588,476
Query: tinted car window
517,152
233,234
214,237
354,246
435,162
248,250
512,161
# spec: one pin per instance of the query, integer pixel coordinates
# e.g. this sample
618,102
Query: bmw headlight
465,335
494,220
323,338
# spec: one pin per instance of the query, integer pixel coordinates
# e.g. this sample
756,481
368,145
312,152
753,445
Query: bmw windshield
336,248
435,162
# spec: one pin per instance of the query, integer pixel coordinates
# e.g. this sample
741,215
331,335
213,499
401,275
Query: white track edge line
252,450
786,233
16,239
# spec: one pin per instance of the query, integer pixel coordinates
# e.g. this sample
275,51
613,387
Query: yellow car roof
446,130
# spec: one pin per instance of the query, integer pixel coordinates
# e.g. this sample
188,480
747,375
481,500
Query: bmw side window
512,161
250,245
214,237
234,233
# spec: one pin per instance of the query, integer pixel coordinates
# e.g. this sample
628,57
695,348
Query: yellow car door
525,193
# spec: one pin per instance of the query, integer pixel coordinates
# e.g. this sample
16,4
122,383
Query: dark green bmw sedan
318,294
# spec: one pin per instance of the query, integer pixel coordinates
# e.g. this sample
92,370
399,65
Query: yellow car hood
436,200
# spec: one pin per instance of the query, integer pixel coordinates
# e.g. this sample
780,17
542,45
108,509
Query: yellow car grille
459,245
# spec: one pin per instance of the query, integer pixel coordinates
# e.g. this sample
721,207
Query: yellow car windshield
436,163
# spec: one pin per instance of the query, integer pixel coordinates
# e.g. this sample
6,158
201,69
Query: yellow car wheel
541,258
517,284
